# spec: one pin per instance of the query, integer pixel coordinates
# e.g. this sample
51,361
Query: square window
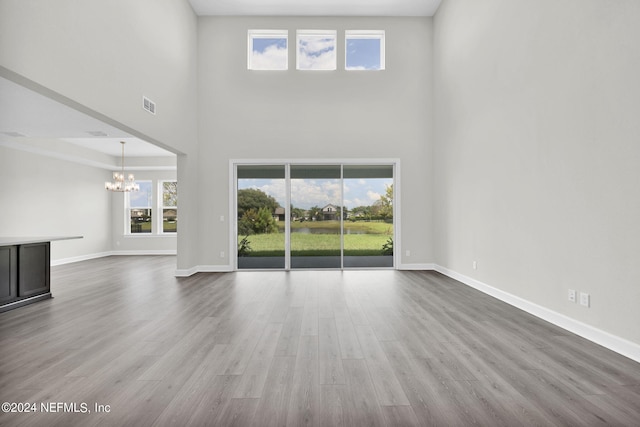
316,50
268,50
364,50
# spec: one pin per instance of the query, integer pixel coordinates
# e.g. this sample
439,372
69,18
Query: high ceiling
316,7
29,119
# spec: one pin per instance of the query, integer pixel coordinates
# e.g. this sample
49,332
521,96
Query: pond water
307,230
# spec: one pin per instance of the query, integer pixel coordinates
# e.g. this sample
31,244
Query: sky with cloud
142,198
363,54
317,52
306,193
269,54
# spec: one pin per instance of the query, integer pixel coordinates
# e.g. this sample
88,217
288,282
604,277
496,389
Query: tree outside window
169,206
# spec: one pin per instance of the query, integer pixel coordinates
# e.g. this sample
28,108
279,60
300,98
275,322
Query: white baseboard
186,272
203,269
62,261
86,257
146,252
598,336
416,267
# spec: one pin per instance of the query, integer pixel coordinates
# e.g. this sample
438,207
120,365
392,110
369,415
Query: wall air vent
149,105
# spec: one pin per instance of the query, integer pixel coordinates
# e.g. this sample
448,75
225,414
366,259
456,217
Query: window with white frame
364,50
316,49
169,206
268,50
139,208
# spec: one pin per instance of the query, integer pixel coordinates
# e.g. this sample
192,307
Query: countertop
10,241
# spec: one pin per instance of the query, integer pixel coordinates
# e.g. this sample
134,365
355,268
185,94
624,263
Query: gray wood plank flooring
299,348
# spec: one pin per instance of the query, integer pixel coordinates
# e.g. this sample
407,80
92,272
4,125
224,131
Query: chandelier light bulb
118,183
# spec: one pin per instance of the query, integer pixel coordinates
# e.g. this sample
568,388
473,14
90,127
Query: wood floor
321,348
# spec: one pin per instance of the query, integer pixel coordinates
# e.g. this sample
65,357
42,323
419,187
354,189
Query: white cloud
317,53
272,58
307,193
373,196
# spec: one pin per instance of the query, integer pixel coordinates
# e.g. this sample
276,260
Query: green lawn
303,244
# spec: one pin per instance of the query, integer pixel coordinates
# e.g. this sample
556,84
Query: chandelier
119,183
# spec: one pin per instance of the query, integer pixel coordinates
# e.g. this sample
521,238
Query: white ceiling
316,7
25,115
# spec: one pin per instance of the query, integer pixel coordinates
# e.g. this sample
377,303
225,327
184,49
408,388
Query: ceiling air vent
149,105
96,133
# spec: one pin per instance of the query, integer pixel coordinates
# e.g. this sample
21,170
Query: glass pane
169,220
142,198
368,227
140,220
363,54
268,53
315,211
169,193
261,216
316,51
140,203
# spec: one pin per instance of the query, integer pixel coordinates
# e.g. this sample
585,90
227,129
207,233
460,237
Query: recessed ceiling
316,7
134,147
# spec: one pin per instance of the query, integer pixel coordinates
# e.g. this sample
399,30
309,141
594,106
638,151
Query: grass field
307,244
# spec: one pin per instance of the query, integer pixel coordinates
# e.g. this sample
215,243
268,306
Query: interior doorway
297,215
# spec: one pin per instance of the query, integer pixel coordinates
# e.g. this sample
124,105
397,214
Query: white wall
101,57
537,152
54,197
314,115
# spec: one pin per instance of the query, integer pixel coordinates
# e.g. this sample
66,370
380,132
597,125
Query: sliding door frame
233,202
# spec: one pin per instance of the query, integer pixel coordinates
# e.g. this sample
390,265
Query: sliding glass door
368,225
295,216
316,195
261,216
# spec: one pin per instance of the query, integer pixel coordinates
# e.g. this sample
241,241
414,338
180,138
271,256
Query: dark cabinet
24,274
33,269
8,273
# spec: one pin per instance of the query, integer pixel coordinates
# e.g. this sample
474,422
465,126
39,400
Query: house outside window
139,209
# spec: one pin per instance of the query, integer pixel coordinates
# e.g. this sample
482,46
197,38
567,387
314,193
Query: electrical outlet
475,265
221,254
585,299
221,218
572,295
408,252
